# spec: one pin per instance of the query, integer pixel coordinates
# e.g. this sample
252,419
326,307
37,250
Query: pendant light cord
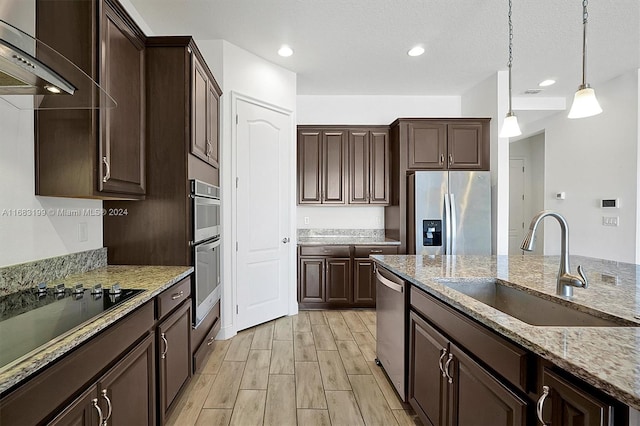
509,64
585,18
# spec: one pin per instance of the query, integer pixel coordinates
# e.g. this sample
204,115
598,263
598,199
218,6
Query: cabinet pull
441,158
94,402
175,296
208,149
443,353
163,355
107,173
210,342
375,251
104,395
540,404
450,159
446,368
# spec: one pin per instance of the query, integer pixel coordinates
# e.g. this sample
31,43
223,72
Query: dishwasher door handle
387,282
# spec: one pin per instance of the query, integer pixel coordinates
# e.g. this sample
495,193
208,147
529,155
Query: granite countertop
346,240
606,357
152,279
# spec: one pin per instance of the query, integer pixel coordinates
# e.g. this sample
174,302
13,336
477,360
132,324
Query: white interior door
262,215
516,204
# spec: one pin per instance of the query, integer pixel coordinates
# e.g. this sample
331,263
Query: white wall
237,70
489,99
33,237
368,110
590,159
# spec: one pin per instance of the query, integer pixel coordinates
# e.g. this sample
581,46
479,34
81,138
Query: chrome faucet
566,281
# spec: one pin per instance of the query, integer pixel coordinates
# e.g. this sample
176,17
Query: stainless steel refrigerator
449,212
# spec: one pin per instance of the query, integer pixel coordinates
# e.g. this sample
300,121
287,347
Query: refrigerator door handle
447,224
454,222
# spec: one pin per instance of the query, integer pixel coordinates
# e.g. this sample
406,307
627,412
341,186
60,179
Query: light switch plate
83,232
610,220
306,220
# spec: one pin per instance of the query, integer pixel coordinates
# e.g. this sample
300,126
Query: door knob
285,240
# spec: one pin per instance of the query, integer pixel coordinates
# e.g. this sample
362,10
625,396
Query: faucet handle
583,276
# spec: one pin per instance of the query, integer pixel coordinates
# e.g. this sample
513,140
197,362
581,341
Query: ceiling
358,47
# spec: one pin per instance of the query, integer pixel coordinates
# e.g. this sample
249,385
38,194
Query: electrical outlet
610,220
306,220
83,232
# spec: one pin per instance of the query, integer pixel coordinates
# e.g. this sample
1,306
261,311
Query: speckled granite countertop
153,279
343,240
606,357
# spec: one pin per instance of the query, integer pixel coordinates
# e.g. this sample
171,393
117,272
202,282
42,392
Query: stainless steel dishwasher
391,327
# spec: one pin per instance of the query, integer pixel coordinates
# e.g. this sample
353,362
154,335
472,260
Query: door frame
292,303
526,194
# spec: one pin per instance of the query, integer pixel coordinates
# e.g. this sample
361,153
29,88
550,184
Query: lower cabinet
174,356
447,387
124,395
565,403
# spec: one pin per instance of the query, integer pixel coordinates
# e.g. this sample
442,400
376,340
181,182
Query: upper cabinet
94,153
448,145
322,166
338,165
205,99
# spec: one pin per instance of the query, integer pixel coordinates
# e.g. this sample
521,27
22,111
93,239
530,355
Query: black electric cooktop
31,318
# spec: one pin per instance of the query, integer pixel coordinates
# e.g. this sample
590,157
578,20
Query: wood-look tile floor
314,368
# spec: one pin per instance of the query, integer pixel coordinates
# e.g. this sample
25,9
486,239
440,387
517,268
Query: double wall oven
206,248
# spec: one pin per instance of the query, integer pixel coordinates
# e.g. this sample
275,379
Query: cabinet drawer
502,356
365,251
333,251
172,297
208,343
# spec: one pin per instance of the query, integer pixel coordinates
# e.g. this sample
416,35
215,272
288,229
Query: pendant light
585,103
510,125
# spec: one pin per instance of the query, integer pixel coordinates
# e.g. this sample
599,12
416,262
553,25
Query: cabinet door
427,146
379,168
478,398
311,280
334,167
572,406
359,167
213,134
465,146
427,387
200,123
364,284
338,280
309,167
122,136
81,412
130,388
174,355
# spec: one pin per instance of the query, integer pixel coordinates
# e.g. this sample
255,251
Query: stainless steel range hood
30,67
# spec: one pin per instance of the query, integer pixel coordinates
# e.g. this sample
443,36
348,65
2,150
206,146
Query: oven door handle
208,246
388,283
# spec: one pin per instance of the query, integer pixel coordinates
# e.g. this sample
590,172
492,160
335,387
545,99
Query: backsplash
326,232
26,275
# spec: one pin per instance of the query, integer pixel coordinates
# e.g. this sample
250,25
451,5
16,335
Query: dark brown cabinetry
322,166
174,355
94,153
369,166
570,404
430,144
205,98
338,276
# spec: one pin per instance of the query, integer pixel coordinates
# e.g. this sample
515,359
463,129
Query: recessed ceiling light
285,51
547,83
416,51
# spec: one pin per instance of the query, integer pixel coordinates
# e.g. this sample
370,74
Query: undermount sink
529,308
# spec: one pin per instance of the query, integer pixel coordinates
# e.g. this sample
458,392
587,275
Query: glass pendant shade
585,103
510,127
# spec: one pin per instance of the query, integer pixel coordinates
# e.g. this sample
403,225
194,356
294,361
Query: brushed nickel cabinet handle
441,158
175,296
540,404
104,395
94,402
446,368
166,346
375,251
107,174
443,353
210,341
450,159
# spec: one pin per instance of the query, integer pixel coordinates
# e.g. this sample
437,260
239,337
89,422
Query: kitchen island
607,358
